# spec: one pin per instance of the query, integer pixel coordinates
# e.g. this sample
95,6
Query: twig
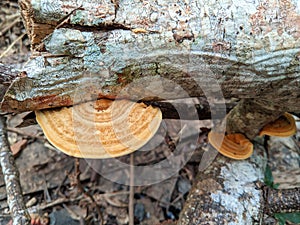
12,44
57,192
5,29
55,202
19,131
131,192
112,193
87,194
118,204
15,201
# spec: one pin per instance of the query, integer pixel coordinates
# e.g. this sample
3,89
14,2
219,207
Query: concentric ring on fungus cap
284,126
100,129
234,146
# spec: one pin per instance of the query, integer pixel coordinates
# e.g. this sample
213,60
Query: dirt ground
56,194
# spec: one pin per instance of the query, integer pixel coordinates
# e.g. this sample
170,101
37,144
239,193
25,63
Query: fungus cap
284,126
100,129
235,146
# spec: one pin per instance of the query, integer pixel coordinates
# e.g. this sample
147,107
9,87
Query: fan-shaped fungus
284,126
100,129
235,146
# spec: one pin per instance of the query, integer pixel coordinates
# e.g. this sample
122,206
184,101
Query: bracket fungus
100,129
284,126
235,146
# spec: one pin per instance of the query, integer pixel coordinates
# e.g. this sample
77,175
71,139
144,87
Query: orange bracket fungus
284,126
235,146
100,129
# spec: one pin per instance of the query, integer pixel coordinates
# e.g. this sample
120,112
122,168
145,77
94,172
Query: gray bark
245,49
11,177
227,192
7,75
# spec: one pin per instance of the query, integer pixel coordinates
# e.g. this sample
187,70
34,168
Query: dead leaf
27,120
18,146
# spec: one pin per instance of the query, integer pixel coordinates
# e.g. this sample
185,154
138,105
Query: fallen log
227,192
173,49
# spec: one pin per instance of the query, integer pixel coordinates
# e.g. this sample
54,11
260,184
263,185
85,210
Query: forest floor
56,194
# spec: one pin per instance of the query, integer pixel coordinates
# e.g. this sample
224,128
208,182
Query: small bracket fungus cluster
237,146
100,129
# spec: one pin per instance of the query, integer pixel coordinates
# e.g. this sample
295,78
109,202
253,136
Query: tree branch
243,55
281,200
11,177
7,75
226,192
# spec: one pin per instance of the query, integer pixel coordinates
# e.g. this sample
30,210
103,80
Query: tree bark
7,76
15,201
169,49
227,192
282,200
250,115
232,192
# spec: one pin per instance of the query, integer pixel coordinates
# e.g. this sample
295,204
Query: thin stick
87,194
3,31
12,44
23,133
131,192
10,172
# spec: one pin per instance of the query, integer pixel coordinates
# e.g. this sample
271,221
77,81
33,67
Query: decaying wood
250,115
7,75
197,45
11,176
169,111
226,192
281,200
231,192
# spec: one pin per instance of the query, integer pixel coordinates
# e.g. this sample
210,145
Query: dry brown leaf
18,146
